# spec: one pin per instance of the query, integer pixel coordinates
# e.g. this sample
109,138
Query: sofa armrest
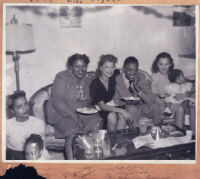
37,102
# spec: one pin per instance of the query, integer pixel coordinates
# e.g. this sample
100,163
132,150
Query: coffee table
177,152
124,139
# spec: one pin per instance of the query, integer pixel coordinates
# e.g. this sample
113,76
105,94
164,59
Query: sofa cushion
52,143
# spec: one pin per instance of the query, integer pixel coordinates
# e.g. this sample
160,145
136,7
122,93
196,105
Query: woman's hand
77,120
74,116
136,85
180,96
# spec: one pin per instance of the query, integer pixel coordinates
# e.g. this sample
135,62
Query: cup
153,132
98,151
102,134
157,137
143,125
106,147
97,139
189,134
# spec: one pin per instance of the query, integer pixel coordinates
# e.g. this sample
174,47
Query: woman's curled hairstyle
154,67
104,59
72,59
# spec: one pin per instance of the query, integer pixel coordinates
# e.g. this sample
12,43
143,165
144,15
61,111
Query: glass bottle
106,147
98,151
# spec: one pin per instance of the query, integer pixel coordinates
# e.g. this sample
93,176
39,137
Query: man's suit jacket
122,89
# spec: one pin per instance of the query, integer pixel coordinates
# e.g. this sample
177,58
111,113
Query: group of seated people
166,89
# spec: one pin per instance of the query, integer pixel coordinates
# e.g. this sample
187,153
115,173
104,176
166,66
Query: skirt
67,126
104,115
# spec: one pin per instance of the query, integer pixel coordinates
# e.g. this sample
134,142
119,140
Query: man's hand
136,85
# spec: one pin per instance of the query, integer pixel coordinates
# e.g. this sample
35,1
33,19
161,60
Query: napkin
142,141
161,143
170,141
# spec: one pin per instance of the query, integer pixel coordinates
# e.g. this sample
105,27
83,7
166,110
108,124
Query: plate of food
168,128
132,98
171,131
86,110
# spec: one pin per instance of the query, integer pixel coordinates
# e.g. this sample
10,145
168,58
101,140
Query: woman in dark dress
102,91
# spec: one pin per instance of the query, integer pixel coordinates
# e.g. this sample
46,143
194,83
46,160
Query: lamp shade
19,38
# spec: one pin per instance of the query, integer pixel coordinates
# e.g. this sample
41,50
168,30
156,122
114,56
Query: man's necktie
130,88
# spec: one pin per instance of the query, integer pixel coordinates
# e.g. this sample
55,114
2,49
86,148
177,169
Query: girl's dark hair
174,74
13,97
154,67
104,59
34,138
72,59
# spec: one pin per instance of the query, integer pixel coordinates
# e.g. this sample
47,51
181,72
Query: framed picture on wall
70,16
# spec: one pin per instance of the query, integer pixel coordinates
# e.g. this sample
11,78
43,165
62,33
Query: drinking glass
106,147
97,139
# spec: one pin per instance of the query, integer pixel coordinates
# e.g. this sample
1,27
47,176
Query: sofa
38,103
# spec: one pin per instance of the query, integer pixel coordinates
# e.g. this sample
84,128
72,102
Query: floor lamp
19,40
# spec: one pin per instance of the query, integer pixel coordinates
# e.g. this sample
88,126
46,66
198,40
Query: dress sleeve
95,92
58,97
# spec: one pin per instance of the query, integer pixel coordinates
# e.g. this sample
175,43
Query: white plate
131,98
87,110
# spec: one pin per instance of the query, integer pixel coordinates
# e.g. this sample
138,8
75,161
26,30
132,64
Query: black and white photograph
102,83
